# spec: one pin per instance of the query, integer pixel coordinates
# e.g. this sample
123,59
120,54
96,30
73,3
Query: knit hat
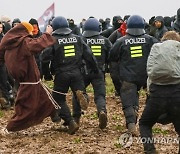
28,26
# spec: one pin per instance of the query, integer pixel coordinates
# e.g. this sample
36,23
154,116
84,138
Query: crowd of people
137,54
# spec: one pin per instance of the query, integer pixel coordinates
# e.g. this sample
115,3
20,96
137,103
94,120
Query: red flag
47,15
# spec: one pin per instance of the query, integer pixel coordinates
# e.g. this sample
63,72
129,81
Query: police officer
100,47
132,52
66,56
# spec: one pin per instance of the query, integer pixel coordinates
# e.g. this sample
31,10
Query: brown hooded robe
32,104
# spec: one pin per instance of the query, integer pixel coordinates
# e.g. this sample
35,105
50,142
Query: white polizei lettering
95,41
67,40
135,41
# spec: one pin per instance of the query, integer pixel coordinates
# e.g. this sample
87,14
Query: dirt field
89,139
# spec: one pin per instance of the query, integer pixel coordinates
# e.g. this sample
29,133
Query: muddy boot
132,129
82,100
4,104
72,127
77,120
102,120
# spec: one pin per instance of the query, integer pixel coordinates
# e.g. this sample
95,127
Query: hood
13,37
62,31
160,18
178,14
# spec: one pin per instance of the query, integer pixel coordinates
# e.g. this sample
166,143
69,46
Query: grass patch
116,117
77,140
118,127
94,115
159,131
117,145
1,114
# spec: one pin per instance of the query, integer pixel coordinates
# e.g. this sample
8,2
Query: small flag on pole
46,16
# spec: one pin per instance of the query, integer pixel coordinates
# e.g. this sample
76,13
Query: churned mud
49,137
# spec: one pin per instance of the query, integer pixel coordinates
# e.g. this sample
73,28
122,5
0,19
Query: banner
47,15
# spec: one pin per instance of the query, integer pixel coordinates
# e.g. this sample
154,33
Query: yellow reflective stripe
69,54
136,48
136,51
69,47
136,55
96,50
95,47
68,51
97,54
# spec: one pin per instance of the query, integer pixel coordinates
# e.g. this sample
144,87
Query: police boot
82,100
102,120
132,129
72,127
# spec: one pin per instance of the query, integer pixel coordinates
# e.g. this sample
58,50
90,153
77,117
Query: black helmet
61,24
135,25
91,27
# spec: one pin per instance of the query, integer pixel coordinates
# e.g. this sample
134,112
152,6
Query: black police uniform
100,47
66,56
132,52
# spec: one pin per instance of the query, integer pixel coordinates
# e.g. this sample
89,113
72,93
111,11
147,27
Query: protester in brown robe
17,47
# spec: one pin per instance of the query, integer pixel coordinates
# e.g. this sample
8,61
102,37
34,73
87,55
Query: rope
47,89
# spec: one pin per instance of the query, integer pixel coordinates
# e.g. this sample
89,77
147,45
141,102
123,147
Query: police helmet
91,27
61,24
135,25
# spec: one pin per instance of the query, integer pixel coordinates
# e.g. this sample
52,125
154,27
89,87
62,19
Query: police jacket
100,47
131,52
68,52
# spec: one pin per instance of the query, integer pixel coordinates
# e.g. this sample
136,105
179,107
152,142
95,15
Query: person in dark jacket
36,33
117,21
114,66
100,47
75,29
176,24
168,23
131,51
66,57
5,86
161,29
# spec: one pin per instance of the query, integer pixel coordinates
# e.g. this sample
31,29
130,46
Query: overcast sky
78,9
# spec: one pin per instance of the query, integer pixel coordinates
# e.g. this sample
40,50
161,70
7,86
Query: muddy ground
48,137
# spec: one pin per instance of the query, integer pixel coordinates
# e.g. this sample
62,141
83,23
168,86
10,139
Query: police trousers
63,81
98,84
130,100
